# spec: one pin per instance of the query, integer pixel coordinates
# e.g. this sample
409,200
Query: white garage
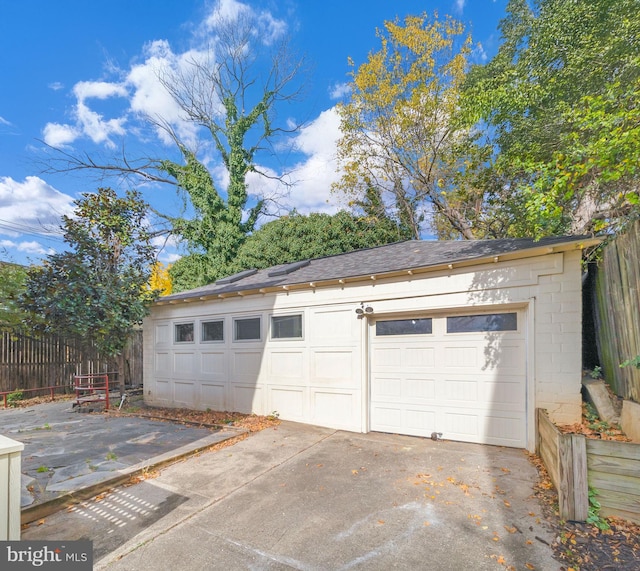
462,339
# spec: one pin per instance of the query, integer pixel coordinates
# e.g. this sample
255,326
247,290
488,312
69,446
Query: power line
31,230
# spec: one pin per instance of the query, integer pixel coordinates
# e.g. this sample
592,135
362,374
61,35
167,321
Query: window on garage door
482,323
422,326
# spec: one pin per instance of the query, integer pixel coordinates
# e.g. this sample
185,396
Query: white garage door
463,375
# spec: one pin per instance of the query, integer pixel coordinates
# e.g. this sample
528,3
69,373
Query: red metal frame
51,389
91,388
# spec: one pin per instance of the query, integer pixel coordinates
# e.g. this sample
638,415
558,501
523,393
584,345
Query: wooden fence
576,463
617,311
30,363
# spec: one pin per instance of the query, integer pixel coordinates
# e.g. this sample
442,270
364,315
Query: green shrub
14,397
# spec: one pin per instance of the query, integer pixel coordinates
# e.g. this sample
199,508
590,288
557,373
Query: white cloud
267,29
87,122
315,174
339,90
56,85
167,258
3,121
479,54
98,89
459,6
31,205
94,126
150,98
33,248
225,11
58,135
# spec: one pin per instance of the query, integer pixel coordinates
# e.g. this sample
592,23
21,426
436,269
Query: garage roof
412,256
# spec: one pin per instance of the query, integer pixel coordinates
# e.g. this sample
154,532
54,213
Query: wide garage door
462,375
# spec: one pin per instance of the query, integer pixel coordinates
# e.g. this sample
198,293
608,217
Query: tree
12,284
97,291
401,127
160,280
222,94
298,237
561,99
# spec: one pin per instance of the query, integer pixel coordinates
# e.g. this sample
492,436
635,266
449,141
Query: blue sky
78,74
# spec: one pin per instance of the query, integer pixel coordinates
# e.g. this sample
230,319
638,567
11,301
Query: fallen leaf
426,523
41,521
511,529
506,470
501,560
529,566
506,503
354,472
380,521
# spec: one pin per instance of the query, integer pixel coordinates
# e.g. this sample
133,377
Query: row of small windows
290,327
244,329
455,324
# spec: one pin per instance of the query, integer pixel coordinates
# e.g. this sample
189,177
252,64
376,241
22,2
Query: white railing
10,458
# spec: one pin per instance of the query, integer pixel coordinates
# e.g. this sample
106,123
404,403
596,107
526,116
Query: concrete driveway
309,498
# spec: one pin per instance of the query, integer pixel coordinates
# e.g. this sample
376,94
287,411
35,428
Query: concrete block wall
558,350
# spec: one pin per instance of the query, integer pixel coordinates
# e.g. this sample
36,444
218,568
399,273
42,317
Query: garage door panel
461,425
461,357
387,387
508,357
423,357
499,428
420,421
506,392
394,388
469,386
405,357
460,390
387,357
415,421
420,388
388,418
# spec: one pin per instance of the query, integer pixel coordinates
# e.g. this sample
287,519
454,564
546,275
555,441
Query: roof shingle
408,255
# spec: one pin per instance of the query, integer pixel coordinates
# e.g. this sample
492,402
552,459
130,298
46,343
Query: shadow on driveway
70,455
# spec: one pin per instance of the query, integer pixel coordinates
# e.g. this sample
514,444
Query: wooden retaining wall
564,456
576,463
614,471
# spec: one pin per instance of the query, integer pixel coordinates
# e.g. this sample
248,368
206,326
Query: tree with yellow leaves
401,133
160,279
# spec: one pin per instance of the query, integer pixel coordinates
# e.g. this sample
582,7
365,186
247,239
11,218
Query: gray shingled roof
408,255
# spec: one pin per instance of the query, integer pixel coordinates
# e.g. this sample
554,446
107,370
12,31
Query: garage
459,374
463,338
